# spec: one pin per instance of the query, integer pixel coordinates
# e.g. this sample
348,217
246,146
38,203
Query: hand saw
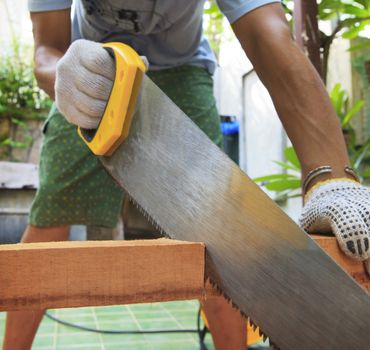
256,255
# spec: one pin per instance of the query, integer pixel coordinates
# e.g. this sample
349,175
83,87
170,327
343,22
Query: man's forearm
303,105
46,59
298,93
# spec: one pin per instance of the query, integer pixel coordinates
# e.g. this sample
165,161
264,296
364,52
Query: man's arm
52,36
298,93
338,205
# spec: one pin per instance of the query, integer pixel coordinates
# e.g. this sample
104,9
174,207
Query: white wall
339,66
14,20
262,139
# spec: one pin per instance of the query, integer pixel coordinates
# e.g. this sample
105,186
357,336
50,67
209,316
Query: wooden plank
71,274
93,273
354,268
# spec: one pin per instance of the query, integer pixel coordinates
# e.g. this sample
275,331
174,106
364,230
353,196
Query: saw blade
256,255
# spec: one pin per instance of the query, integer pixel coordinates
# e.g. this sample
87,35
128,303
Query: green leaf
282,185
329,9
361,154
341,102
366,174
339,99
18,122
286,165
335,92
295,195
359,47
355,10
13,144
363,3
352,112
354,31
273,177
291,157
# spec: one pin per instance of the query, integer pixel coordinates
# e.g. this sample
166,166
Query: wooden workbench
93,273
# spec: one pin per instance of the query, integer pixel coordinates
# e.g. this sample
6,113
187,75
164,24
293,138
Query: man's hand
84,79
342,207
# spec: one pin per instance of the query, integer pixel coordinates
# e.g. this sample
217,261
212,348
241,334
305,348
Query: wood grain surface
93,273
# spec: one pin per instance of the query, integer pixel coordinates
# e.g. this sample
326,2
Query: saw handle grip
117,117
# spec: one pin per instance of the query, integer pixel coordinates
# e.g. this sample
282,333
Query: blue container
230,133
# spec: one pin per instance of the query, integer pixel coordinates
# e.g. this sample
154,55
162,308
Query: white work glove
84,78
343,207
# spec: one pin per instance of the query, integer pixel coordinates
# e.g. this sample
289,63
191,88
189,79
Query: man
73,187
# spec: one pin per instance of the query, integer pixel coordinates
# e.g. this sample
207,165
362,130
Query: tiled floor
170,315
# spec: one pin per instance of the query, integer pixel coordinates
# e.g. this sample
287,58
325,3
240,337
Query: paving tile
168,315
175,345
122,325
46,326
129,347
188,323
159,325
122,338
43,340
149,316
138,308
117,309
160,337
182,313
76,318
119,318
78,339
78,311
77,347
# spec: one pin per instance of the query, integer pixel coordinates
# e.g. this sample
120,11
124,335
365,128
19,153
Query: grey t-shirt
167,32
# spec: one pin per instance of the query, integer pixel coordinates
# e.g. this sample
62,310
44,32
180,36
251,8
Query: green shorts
74,188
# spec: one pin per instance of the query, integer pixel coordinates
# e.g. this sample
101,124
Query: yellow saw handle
116,121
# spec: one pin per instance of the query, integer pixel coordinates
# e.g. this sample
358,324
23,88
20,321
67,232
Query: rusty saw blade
256,255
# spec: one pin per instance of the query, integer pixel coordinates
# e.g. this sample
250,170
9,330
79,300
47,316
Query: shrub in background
21,99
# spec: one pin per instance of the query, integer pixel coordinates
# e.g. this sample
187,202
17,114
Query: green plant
213,25
348,18
20,97
26,140
340,100
287,183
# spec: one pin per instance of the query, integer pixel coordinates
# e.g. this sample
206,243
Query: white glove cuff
331,185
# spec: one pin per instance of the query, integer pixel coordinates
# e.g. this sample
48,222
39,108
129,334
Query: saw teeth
148,216
248,319
214,285
274,346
